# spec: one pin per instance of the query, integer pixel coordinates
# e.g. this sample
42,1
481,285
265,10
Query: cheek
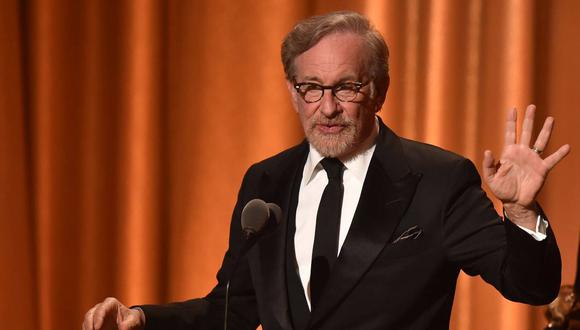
362,117
302,115
353,111
305,112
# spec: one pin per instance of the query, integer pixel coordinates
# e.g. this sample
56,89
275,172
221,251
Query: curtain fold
126,128
18,257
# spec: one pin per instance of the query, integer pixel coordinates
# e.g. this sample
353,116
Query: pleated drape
126,127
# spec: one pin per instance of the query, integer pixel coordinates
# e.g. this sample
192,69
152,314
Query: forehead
338,56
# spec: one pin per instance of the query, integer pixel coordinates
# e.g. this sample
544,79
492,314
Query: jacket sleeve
208,312
480,243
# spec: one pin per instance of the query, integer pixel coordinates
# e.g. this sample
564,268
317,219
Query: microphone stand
258,218
251,238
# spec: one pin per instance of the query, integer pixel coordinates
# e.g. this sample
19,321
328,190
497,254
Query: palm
521,172
519,177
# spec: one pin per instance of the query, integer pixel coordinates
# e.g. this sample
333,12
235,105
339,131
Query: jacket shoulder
423,156
281,159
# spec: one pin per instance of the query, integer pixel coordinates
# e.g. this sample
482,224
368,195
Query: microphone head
256,214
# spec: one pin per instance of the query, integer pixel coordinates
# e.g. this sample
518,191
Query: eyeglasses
344,92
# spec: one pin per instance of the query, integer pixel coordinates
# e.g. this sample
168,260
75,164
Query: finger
488,165
528,126
510,127
545,133
107,307
556,157
88,321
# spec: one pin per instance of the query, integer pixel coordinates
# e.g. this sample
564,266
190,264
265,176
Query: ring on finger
536,150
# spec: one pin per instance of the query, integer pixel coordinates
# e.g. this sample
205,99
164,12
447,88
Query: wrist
140,317
525,216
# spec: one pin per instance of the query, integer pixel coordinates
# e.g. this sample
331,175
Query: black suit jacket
379,281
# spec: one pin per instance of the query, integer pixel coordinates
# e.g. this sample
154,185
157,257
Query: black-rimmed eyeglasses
313,92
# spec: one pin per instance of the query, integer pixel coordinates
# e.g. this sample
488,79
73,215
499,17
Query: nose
329,105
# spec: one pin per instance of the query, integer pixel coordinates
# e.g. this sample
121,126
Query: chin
332,146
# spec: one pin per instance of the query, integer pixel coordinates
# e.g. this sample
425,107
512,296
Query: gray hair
310,31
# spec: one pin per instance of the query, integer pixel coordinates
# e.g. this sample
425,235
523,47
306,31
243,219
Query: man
375,228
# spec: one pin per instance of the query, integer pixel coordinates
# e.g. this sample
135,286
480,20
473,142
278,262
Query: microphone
258,218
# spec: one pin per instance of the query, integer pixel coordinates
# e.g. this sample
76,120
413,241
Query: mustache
336,121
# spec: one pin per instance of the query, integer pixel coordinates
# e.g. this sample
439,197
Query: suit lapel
268,257
387,191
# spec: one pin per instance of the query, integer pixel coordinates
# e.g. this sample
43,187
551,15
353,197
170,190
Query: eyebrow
312,78
341,80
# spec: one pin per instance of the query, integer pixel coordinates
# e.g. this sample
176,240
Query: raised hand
111,314
521,171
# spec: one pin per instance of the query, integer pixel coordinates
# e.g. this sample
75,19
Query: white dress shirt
314,180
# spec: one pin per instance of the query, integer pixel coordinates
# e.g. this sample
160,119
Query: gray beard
333,145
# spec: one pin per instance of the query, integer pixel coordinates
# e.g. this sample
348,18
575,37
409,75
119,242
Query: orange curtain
126,126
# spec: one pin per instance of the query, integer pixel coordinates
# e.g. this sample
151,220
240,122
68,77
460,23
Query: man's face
336,128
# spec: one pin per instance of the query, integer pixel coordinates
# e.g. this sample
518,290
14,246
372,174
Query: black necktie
327,228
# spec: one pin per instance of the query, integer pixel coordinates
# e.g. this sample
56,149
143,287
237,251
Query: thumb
488,166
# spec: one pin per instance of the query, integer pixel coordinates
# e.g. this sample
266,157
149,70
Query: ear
380,101
293,95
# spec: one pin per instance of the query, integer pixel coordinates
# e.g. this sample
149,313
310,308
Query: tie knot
333,168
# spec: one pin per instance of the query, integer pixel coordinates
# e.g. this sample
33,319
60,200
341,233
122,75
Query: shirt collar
357,165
